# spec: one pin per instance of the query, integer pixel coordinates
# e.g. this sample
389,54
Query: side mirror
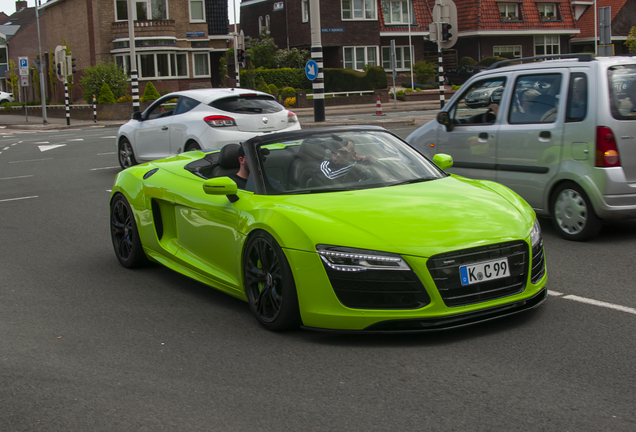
136,115
221,186
444,119
443,161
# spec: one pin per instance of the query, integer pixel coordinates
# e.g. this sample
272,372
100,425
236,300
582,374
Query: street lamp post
42,64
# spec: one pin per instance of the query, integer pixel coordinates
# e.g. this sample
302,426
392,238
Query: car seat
228,163
310,154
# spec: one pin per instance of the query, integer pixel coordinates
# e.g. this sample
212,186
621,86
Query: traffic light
446,34
60,62
240,55
70,65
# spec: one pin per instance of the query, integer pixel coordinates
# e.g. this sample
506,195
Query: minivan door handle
483,135
545,134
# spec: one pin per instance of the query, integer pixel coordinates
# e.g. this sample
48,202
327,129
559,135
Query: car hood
420,219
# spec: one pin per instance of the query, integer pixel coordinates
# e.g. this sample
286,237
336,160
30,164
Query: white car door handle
164,128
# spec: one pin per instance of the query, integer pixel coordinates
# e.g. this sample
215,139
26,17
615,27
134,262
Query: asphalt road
87,345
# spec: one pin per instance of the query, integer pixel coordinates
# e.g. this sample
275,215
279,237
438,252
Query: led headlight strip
535,233
356,260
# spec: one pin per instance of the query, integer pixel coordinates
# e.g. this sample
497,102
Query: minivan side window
622,89
480,103
535,99
577,98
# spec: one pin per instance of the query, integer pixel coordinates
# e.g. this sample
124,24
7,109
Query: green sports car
342,228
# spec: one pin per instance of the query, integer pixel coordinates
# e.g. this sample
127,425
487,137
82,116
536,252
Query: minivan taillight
219,121
606,150
291,117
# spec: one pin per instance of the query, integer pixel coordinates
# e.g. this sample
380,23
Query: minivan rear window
244,104
622,89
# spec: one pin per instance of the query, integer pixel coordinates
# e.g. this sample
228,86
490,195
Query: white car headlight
535,234
355,260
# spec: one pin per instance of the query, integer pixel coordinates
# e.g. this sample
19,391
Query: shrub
287,92
290,102
150,93
424,71
337,80
490,60
106,95
262,86
95,76
125,99
294,58
409,90
400,95
273,89
465,61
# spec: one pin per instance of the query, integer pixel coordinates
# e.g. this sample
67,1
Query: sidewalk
419,113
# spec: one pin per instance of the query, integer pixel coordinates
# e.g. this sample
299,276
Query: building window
159,9
358,57
121,10
395,12
304,10
197,11
402,58
156,65
548,11
515,50
141,10
548,44
163,69
358,10
509,11
201,64
179,65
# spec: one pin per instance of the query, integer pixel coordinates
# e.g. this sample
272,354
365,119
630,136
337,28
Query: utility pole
41,70
134,81
236,48
444,19
318,84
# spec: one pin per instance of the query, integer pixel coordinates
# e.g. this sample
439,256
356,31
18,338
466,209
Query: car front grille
444,269
378,289
538,263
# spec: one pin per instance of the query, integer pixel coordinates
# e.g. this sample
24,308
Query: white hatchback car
200,119
5,97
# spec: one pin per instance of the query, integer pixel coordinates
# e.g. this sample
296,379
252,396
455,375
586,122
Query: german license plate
484,271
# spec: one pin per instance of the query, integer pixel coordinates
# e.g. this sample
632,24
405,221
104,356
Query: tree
150,93
631,40
52,76
424,71
262,51
35,80
223,71
13,77
293,58
109,73
106,95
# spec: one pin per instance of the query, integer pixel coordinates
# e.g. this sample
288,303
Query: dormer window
509,11
548,11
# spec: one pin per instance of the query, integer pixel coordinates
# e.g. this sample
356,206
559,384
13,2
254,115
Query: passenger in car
244,170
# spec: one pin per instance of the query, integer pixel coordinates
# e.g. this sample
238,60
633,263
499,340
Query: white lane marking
42,142
109,190
31,160
16,199
97,169
14,144
601,304
6,148
76,139
11,178
109,137
554,293
102,154
44,148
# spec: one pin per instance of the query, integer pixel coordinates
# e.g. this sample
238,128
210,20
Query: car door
529,147
472,137
152,136
181,123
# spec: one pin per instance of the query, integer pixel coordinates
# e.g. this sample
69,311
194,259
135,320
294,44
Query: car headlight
356,260
535,234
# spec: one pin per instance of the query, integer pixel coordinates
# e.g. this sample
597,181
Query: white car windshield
342,161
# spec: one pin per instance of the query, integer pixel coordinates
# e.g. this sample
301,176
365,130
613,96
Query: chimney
19,5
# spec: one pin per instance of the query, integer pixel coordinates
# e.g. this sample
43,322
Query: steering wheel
357,173
489,116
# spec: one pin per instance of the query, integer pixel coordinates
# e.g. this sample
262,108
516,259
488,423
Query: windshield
342,161
622,88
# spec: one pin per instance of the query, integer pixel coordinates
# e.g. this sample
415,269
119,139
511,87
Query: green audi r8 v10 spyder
346,229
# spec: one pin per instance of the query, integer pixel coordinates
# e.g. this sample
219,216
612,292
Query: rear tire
572,213
191,146
126,154
124,233
3,101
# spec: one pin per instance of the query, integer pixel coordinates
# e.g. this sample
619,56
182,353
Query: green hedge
336,80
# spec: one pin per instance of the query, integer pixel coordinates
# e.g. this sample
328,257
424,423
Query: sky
8,7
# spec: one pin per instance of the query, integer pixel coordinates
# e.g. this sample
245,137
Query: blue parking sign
23,62
311,70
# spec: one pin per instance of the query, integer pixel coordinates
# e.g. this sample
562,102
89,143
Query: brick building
178,43
623,18
359,32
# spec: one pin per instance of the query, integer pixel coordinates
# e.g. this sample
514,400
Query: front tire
125,235
269,284
126,154
572,213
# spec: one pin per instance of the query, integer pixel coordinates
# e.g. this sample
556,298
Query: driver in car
336,169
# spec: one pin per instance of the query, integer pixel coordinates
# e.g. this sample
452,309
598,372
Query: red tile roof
586,21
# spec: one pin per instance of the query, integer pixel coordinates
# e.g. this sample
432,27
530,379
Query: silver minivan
560,132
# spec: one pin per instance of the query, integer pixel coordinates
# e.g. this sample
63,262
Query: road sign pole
66,101
318,85
41,71
26,113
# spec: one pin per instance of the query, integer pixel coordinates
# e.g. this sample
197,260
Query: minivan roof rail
581,57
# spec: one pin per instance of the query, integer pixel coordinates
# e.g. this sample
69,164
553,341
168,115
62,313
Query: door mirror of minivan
444,119
136,115
443,161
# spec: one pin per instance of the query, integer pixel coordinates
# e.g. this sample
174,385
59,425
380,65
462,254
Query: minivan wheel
572,213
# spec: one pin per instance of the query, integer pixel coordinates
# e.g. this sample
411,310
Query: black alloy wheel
125,235
269,284
126,154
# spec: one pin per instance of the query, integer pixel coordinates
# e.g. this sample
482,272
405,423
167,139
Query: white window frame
498,49
190,11
260,24
543,13
365,4
194,68
354,57
125,61
267,23
402,63
404,18
545,44
505,15
304,10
